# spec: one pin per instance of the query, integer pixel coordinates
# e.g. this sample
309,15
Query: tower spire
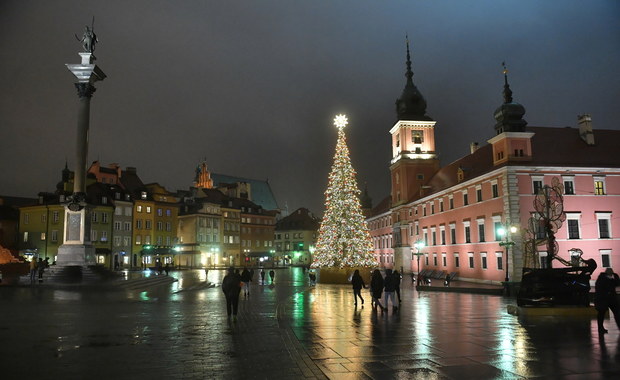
509,116
411,104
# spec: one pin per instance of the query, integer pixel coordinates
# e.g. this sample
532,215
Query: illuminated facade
457,210
295,237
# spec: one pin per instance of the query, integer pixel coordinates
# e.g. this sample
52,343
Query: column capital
85,90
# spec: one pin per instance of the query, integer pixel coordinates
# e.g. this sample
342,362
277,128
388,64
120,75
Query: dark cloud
254,86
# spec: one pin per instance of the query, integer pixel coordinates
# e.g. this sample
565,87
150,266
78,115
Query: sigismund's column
77,249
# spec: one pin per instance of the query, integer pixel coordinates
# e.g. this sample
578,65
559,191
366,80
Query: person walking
231,286
605,297
358,283
245,281
33,270
262,276
390,288
41,269
376,289
272,274
397,278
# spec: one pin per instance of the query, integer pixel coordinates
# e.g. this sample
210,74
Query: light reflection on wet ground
176,327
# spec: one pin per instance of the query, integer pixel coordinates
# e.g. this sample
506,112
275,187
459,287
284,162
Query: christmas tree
344,240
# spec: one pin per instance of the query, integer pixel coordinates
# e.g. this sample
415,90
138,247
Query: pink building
456,210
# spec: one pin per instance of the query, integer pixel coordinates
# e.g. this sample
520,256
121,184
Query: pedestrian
605,297
272,274
376,288
389,288
41,269
358,283
33,269
245,282
397,278
231,286
167,268
262,276
159,267
206,274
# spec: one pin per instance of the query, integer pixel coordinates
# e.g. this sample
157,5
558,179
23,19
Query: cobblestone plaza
172,327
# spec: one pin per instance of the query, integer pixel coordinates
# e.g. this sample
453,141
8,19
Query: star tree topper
341,121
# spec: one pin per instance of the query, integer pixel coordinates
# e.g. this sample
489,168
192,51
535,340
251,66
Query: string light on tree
344,240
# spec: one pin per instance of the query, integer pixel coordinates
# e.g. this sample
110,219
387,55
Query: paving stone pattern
176,328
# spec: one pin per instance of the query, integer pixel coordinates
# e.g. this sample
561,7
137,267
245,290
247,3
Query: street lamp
419,245
505,232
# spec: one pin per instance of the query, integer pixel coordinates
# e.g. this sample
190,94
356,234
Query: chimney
473,147
585,128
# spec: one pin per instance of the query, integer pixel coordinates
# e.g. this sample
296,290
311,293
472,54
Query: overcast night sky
253,87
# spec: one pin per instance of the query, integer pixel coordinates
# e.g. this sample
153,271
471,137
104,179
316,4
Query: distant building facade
295,237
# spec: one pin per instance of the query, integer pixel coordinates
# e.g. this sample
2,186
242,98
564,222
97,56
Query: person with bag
358,283
605,297
231,286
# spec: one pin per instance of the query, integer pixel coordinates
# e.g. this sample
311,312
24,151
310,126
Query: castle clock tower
414,160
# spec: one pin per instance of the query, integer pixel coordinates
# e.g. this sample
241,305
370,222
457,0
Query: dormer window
143,194
104,200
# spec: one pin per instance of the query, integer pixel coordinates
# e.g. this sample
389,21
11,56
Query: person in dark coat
245,279
262,276
397,278
605,297
390,287
231,286
358,283
272,274
376,289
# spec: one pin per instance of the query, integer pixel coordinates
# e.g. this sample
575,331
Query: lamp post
505,232
419,245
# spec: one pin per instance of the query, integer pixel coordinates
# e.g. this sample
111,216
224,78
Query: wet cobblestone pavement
176,327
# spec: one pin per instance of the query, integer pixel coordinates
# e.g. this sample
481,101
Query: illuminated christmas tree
344,240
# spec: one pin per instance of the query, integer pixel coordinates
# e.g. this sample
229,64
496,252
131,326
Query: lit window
599,186
139,208
148,209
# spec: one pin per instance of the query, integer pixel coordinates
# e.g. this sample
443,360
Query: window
159,240
442,232
425,233
138,208
495,189
497,224
160,212
26,237
168,212
452,234
456,260
573,225
434,259
432,208
148,209
104,200
143,194
118,211
479,193
55,217
569,186
148,224
465,198
127,226
605,258
42,235
104,217
424,210
93,235
444,260
441,205
481,238
160,226
599,185
43,218
434,236
127,211
467,232
94,217
138,239
117,241
537,185
500,263
117,226
603,219
126,241
451,202
416,137
147,239
104,235
470,256
26,218
483,257
139,224
426,259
